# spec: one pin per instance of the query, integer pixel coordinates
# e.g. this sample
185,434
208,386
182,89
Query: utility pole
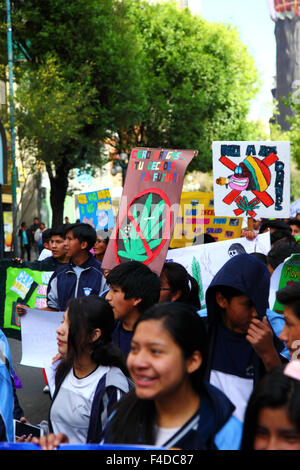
12,126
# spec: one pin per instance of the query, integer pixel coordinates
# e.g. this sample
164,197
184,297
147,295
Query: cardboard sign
39,338
252,179
204,261
20,285
95,208
196,216
148,208
285,274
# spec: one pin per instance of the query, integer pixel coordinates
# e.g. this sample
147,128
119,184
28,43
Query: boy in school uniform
82,275
57,260
242,344
133,288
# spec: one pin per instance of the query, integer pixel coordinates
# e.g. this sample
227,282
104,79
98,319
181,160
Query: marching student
177,285
82,276
133,288
172,406
92,374
272,419
242,343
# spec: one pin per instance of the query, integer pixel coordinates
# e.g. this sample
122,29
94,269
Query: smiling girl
172,406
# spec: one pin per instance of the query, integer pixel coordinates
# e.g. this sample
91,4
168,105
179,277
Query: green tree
200,80
79,80
292,135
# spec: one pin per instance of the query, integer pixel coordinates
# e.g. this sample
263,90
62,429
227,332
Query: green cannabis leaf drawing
141,233
196,271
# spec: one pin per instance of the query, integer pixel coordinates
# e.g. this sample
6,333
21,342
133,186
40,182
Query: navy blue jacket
251,277
64,284
211,427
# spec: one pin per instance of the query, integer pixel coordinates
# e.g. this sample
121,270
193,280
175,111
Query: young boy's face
291,331
73,246
121,307
238,312
57,246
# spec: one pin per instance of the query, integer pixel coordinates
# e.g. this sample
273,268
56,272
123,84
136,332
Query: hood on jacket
247,274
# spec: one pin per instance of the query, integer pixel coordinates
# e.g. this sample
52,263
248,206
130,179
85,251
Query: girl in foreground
92,375
272,420
171,405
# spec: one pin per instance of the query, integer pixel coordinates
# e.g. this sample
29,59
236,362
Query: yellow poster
196,216
8,230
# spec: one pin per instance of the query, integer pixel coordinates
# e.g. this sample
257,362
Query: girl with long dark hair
92,375
171,406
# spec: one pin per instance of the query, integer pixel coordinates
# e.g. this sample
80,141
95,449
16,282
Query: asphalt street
33,400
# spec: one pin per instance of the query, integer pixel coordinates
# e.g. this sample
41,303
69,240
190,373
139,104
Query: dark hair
83,232
275,390
282,236
290,295
59,231
104,234
134,419
294,222
85,314
46,235
228,292
280,252
180,280
276,224
203,238
209,238
136,281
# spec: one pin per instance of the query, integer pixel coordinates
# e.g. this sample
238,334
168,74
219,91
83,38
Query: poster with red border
148,207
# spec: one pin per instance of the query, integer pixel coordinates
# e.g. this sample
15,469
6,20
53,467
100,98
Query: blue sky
251,17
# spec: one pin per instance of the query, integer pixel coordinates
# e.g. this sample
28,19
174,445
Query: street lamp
120,166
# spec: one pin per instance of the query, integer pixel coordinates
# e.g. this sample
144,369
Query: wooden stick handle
250,224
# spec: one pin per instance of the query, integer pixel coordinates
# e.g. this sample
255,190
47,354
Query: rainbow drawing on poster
251,179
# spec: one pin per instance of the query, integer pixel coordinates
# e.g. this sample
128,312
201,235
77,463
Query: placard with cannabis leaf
148,207
145,227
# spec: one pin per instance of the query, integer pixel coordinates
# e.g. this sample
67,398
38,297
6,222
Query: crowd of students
139,363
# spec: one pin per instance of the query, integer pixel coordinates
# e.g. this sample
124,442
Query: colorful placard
148,208
8,230
251,179
95,208
196,216
204,261
20,285
285,274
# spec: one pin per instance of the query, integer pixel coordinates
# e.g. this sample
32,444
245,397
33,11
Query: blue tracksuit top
66,283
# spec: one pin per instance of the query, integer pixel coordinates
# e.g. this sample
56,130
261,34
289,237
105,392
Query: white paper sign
39,338
251,179
204,261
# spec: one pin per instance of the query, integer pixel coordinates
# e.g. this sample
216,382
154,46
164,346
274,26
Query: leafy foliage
200,79
153,75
